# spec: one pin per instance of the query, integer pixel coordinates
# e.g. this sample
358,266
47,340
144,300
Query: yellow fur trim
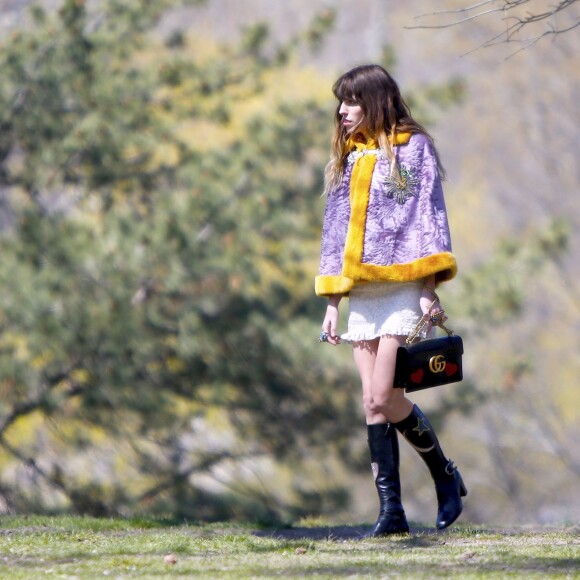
329,285
401,138
358,143
443,265
360,184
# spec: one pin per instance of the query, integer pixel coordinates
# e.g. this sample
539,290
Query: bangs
345,89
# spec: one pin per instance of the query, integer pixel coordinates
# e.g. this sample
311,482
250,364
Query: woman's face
352,115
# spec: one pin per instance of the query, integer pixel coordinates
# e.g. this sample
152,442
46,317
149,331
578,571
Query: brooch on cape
402,187
354,155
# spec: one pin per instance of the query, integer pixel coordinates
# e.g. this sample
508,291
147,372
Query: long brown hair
385,115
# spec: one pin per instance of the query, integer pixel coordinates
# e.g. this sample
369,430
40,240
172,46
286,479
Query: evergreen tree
157,280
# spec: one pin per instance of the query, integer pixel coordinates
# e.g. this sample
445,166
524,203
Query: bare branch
457,11
515,22
454,23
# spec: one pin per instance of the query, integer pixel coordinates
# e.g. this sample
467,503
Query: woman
386,245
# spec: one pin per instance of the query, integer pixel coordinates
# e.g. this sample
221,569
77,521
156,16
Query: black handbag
429,363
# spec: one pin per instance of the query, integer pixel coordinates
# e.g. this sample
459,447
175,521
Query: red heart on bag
417,376
451,369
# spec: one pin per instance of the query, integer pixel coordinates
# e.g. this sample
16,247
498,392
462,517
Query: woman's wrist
431,290
334,300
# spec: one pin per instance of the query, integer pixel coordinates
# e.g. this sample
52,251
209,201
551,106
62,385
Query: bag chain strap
421,324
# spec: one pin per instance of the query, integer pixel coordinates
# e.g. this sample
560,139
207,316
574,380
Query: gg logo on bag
437,364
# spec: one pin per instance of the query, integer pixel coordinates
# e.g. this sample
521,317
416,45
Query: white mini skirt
383,309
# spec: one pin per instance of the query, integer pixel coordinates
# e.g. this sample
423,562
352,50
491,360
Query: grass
74,547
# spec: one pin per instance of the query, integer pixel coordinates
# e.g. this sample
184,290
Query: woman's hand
431,308
330,323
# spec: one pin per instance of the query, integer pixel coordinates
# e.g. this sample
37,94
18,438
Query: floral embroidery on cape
404,186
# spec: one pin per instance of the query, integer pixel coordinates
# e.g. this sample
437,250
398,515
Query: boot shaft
419,433
384,451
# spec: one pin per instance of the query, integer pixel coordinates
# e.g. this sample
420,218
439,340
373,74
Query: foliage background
160,205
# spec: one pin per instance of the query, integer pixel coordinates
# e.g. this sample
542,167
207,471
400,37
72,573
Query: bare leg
375,361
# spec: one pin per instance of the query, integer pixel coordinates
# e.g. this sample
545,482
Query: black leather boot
384,448
448,482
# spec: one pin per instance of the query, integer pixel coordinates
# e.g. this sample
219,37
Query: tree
526,22
162,234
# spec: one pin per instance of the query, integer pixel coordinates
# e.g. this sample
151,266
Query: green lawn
71,547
